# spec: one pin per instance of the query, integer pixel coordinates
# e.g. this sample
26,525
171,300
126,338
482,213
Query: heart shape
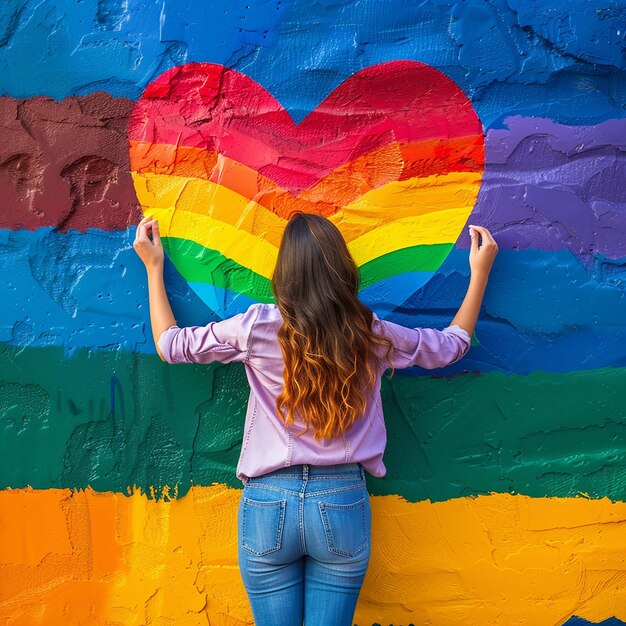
394,156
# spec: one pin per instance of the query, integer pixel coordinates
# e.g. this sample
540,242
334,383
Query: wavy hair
329,348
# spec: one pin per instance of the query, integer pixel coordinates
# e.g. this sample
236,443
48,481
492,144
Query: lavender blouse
251,338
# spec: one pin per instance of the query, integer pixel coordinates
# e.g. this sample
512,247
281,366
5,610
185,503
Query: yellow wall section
104,558
412,212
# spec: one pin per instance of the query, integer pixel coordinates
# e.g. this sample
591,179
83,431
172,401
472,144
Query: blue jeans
304,544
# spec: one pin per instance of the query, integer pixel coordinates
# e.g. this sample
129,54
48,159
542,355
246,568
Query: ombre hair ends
330,351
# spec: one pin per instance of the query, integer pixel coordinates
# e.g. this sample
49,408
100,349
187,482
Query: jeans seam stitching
301,496
330,491
272,488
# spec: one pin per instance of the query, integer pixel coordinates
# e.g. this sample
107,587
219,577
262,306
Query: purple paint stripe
549,186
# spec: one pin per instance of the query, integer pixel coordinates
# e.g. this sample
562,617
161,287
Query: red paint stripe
208,106
327,196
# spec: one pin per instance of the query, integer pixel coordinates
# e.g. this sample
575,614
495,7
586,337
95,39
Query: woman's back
268,442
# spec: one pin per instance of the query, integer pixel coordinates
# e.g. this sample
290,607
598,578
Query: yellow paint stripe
241,246
392,201
438,227
128,560
259,255
401,214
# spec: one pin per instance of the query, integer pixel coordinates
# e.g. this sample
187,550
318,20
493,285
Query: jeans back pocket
345,527
262,525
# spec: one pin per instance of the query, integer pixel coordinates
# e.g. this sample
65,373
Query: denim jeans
304,544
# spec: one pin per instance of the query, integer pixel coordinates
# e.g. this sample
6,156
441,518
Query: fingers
156,237
142,228
484,233
143,221
141,234
147,228
155,227
474,236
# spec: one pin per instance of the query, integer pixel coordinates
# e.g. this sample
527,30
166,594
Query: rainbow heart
394,156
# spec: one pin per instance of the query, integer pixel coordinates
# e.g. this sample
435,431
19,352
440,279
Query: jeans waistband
305,471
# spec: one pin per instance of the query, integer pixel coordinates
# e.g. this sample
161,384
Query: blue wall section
557,318
525,61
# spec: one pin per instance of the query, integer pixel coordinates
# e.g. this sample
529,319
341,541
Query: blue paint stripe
223,302
579,621
382,294
60,48
378,296
542,310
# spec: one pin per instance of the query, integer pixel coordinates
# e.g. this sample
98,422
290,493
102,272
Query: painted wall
505,497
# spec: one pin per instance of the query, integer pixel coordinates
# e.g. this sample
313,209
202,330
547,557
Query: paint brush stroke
484,560
114,419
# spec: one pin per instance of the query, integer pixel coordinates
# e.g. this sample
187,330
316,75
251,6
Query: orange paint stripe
60,555
85,557
392,162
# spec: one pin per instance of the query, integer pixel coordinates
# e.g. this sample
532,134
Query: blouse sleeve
226,341
427,347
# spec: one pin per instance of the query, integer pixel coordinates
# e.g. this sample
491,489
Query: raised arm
481,260
431,348
150,251
225,341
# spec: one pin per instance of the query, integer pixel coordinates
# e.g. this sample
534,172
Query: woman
314,424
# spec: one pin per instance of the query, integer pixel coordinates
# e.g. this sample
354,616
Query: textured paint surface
520,57
571,320
444,563
504,498
65,164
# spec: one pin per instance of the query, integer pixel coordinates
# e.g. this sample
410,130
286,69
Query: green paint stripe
202,265
197,263
414,259
111,419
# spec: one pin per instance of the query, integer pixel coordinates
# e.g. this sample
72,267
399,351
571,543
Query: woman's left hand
149,251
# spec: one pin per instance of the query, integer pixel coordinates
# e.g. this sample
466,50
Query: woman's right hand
481,258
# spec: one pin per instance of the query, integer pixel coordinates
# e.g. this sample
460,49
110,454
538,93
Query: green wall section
113,419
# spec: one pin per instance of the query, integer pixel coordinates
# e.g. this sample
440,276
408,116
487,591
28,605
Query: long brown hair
326,338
